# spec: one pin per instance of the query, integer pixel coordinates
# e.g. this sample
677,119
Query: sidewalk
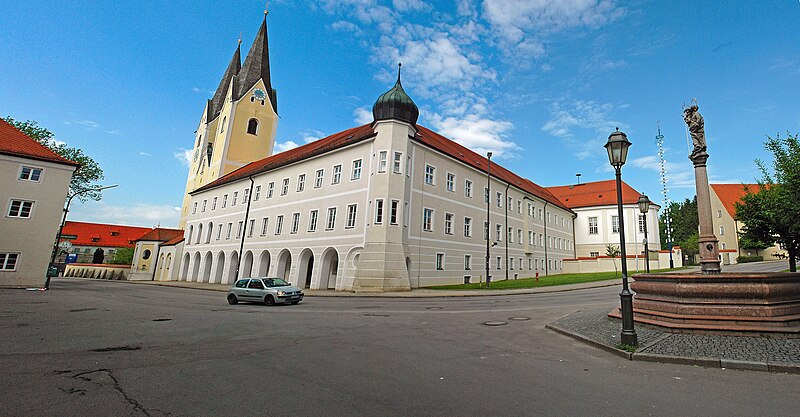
757,353
414,293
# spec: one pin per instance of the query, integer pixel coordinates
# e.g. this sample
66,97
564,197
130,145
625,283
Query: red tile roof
358,134
14,142
590,194
161,234
730,194
123,237
173,241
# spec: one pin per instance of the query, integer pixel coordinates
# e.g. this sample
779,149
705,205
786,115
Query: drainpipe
512,234
244,228
546,240
574,246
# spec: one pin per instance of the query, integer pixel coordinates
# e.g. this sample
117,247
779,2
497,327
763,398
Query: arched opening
246,269
207,267
305,266
220,269
208,234
231,277
160,271
263,264
165,275
284,264
199,232
195,268
185,271
329,269
252,126
189,236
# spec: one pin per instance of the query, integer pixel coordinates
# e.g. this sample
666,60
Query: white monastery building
387,206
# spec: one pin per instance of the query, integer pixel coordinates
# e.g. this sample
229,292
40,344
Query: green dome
396,104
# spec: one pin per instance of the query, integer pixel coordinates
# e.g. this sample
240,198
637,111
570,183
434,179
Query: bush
746,259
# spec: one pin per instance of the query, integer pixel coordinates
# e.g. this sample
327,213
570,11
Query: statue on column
694,121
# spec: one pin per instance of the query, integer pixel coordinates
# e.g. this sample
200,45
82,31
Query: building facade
148,259
86,238
727,228
33,186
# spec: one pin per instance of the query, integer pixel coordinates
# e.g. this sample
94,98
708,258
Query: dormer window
252,126
95,239
114,233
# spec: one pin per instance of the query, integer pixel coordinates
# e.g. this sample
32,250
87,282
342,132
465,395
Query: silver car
269,291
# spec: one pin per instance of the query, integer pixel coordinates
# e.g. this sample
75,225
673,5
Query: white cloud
285,146
345,26
478,134
197,90
411,5
310,135
88,124
590,120
147,215
362,116
113,132
680,175
142,153
184,155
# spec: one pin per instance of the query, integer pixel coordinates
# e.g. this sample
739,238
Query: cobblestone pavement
752,352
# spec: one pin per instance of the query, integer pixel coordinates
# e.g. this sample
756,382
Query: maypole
664,193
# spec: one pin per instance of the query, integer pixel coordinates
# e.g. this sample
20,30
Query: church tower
238,123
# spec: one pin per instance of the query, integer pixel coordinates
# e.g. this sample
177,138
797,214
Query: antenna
579,178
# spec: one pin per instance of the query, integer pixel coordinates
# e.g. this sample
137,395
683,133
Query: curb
589,341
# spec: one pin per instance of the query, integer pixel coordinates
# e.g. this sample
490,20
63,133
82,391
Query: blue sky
541,83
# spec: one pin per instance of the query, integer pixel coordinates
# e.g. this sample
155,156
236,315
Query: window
235,196
295,223
398,160
279,225
257,193
530,239
540,214
351,216
592,225
239,229
467,227
246,195
511,264
485,230
722,230
312,220
641,223
270,189
467,262
429,175
451,182
549,217
251,227
252,126
382,161
427,219
301,182
519,207
331,218
510,203
510,235
498,232
499,199
194,208
318,179
719,214
30,174
379,211
393,212
228,231
22,209
214,204
448,223
499,262
219,231
486,195
337,174
439,261
264,225
468,188
203,209
8,261
519,236
594,254
530,209
222,125
285,186
541,240
614,224
356,172
408,165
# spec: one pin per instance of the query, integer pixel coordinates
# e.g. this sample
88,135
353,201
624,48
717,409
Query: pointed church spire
219,96
256,66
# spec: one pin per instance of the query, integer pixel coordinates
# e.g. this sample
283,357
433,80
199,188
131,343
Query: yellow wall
141,264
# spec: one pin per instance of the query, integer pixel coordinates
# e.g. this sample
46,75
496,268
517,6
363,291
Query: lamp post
617,147
64,220
644,206
488,207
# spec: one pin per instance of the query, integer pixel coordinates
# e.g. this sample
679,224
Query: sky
541,83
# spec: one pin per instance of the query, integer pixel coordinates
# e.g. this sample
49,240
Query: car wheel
295,302
268,300
232,299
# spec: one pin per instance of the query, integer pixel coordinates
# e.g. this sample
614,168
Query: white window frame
397,163
31,171
615,224
264,225
394,211
22,203
379,208
450,182
270,189
593,225
467,226
301,183
382,155
285,186
4,261
330,223
279,225
467,262
355,173
352,214
439,261
430,175
313,217
337,174
427,219
468,188
319,177
257,193
295,223
448,223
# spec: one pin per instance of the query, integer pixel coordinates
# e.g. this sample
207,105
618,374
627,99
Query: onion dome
396,104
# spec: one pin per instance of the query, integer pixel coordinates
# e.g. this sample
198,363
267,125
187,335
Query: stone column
708,243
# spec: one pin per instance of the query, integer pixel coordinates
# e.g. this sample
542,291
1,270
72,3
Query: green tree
85,177
769,213
684,226
123,256
613,252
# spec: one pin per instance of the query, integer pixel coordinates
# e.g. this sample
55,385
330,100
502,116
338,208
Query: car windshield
275,282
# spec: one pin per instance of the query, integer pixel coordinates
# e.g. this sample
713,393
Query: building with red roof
148,258
727,227
597,220
86,238
34,182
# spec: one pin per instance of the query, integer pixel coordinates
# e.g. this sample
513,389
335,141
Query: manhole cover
434,308
494,323
519,318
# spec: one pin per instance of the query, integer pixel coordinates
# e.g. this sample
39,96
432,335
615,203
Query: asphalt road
97,348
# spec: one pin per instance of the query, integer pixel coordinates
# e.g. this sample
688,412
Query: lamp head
644,204
617,147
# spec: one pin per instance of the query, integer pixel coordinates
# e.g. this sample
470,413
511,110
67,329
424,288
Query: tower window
252,126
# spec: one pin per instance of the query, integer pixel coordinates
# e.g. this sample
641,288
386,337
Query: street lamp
644,206
617,147
64,220
488,207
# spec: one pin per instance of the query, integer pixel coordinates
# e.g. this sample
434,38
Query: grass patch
545,281
627,348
